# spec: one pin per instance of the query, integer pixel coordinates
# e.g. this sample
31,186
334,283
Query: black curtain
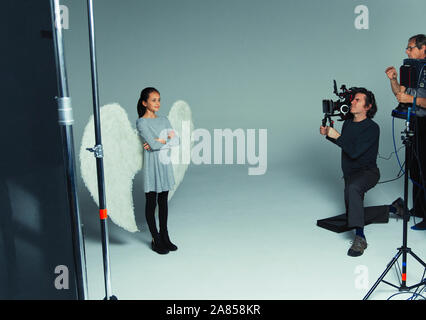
35,224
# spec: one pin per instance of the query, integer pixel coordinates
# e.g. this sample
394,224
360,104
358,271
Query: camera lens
344,109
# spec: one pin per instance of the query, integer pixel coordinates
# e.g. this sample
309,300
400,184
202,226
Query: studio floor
252,238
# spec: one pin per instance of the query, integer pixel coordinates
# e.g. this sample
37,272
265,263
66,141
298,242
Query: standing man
416,49
359,142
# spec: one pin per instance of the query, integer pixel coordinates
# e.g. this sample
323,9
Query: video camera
339,108
412,75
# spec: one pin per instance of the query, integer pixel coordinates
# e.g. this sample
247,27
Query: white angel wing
180,117
123,158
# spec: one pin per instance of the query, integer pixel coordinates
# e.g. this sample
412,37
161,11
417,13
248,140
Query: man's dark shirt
420,88
360,145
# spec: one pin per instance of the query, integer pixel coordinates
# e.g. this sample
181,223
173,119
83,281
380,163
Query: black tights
151,200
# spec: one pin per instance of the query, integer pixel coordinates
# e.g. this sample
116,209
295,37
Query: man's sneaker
398,204
358,246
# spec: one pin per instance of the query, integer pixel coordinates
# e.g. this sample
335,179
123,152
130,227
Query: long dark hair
144,97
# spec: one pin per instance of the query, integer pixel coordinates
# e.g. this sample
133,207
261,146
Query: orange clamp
103,214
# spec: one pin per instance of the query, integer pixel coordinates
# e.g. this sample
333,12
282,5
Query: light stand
65,122
98,152
404,250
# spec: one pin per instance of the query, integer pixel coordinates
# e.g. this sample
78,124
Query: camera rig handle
326,118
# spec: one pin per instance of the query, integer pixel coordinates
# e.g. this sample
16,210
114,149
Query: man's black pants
356,186
418,167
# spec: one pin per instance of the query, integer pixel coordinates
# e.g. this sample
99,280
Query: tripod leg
417,258
390,265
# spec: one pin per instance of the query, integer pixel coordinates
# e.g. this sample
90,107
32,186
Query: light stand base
402,286
403,250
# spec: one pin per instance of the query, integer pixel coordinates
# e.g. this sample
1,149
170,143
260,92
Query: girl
158,135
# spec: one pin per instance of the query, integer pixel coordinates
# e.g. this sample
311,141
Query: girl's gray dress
158,173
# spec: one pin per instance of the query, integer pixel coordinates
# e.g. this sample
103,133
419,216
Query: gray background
241,64
244,64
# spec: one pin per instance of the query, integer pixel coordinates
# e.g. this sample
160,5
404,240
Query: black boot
158,245
166,240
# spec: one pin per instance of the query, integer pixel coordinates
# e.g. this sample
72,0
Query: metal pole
98,151
408,155
66,121
405,216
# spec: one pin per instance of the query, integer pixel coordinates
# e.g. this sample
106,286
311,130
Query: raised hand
391,73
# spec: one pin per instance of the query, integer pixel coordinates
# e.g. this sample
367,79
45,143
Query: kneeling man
359,141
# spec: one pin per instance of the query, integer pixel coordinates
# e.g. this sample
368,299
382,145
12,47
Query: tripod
404,250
